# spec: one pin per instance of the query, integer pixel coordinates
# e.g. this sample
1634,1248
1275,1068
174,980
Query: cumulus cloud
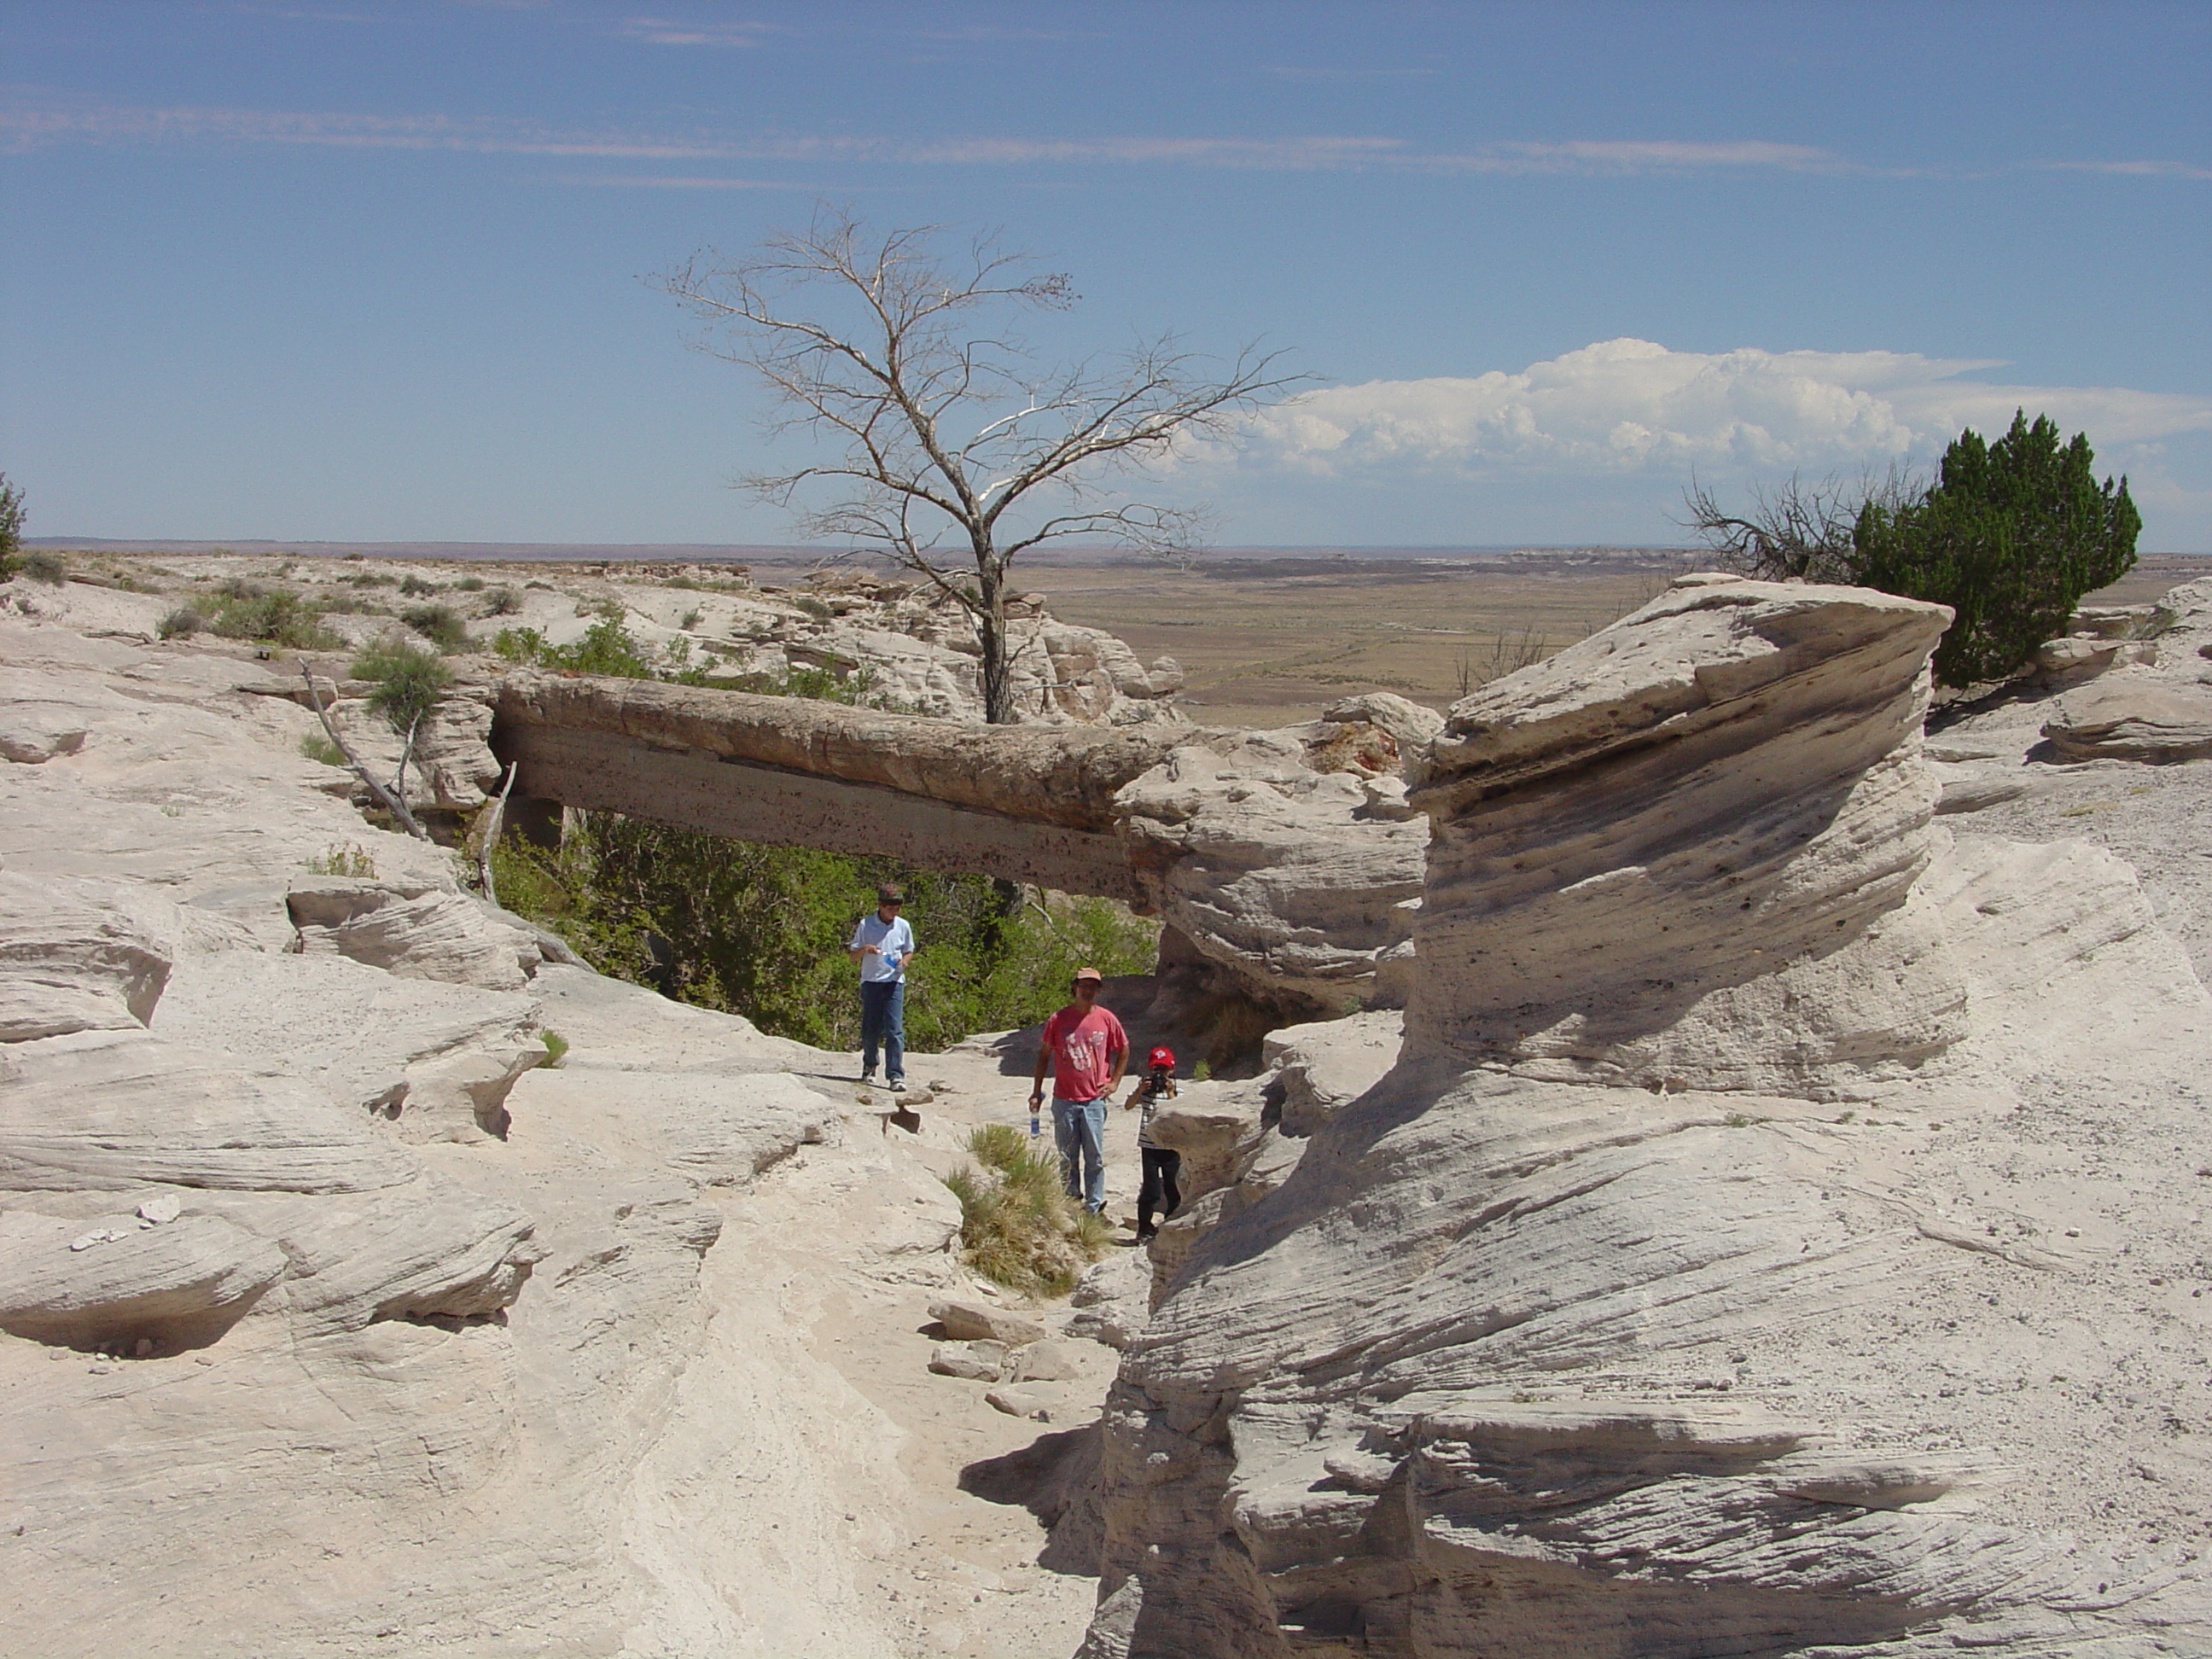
1628,406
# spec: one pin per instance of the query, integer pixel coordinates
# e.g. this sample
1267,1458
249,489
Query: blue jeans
883,1021
1079,1128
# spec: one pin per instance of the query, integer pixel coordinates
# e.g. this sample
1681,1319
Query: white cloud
665,31
1628,406
35,123
2133,169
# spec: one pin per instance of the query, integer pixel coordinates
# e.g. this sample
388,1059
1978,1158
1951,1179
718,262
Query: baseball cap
1090,973
1163,1057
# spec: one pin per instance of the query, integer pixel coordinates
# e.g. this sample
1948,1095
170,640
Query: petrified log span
1030,803
1297,881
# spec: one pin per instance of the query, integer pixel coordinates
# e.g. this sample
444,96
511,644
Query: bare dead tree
394,797
1795,531
959,451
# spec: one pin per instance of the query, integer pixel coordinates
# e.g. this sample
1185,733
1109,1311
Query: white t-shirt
894,942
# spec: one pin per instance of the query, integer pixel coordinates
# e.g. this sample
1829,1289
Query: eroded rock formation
1772,1239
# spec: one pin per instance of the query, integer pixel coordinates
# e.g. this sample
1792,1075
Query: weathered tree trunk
991,633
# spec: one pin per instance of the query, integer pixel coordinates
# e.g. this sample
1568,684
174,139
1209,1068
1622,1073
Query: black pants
1159,1191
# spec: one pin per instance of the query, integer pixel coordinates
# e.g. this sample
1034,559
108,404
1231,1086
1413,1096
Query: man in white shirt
881,944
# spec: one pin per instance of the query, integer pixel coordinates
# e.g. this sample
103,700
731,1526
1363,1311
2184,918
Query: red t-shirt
1083,1048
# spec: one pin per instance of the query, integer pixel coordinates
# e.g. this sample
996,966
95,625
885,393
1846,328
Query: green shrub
243,610
182,623
556,1046
11,527
691,618
502,602
606,647
344,858
1018,1227
438,624
2010,536
470,584
43,566
760,931
316,746
408,680
416,588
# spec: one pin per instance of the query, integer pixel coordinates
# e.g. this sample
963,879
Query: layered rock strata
1773,1239
1682,851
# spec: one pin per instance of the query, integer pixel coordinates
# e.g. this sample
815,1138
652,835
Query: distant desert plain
1267,636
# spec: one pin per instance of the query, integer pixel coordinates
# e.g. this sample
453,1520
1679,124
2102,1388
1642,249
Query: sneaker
897,1085
868,1080
1146,1235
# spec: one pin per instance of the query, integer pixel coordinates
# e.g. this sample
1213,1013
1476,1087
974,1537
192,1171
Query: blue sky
374,270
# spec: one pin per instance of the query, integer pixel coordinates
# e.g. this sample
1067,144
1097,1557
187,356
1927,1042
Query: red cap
1163,1057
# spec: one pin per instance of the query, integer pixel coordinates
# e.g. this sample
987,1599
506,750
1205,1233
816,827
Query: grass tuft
344,858
1018,1227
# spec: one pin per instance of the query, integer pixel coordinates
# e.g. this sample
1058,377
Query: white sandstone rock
179,1284
1271,868
412,929
1792,1349
977,1362
970,1321
2137,721
70,965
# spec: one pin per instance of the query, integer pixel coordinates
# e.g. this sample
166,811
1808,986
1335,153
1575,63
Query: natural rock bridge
1286,858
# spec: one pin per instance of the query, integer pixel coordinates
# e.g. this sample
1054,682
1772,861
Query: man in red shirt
1085,1047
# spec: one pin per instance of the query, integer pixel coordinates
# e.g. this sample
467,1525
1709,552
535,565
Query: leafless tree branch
1795,531
885,348
395,802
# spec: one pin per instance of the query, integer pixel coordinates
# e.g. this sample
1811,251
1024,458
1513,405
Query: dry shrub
1018,1227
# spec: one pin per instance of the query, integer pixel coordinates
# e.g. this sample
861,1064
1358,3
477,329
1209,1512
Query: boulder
1322,1067
1110,1301
977,1362
127,1280
107,1110
1214,1128
2138,721
68,964
1020,1402
412,929
1042,1361
972,1321
36,724
1371,735
1273,870
1973,794
453,767
2123,622
435,1060
2071,660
